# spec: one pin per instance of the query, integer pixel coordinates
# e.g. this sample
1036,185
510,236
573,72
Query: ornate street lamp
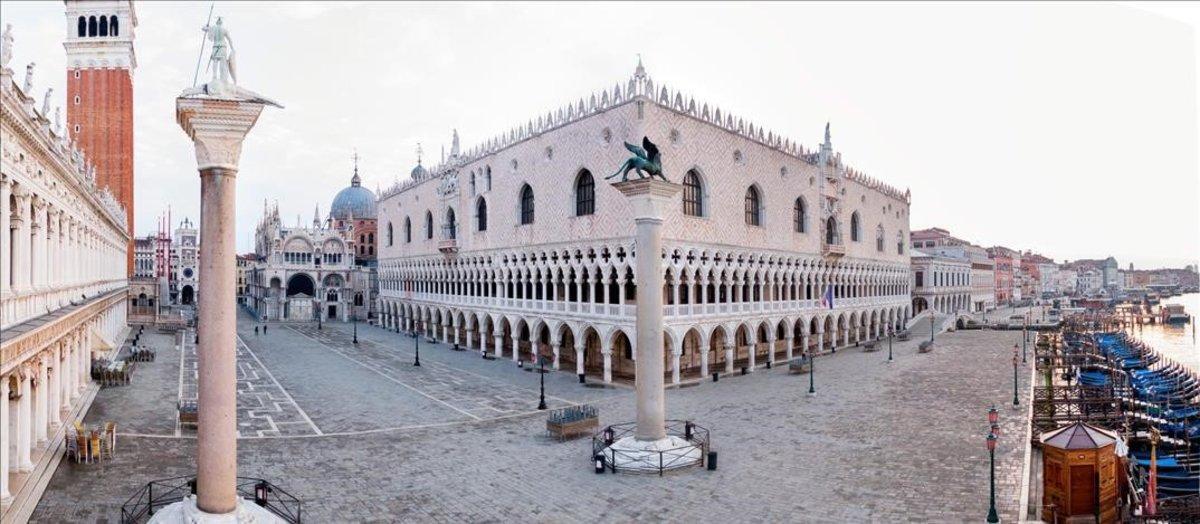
354,320
542,379
1016,401
417,342
812,370
318,321
891,331
991,445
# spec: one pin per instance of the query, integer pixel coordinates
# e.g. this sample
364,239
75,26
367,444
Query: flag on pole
827,298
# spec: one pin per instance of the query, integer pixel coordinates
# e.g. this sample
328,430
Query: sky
1067,129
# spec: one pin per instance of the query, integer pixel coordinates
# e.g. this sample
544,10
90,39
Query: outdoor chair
72,442
110,439
81,447
94,447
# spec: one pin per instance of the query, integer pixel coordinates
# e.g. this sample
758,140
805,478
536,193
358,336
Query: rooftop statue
6,44
28,78
647,162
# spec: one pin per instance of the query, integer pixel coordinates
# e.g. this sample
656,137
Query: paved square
360,434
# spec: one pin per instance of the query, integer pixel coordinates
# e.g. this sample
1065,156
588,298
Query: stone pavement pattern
900,442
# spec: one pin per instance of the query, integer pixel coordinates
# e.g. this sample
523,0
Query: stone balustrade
19,306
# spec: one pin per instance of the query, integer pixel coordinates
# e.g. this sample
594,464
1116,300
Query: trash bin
581,378
712,460
716,376
743,370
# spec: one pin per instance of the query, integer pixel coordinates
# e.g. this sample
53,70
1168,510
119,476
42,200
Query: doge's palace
519,246
62,286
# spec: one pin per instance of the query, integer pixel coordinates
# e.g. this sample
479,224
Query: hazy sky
1066,129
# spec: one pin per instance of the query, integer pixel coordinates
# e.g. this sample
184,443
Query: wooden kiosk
1079,475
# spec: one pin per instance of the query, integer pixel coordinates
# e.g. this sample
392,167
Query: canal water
1177,341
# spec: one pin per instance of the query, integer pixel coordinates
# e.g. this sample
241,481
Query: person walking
264,329
256,331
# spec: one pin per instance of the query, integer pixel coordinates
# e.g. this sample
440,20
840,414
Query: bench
925,347
798,366
189,413
902,336
870,346
572,422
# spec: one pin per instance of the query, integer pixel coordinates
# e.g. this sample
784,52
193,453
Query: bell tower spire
355,181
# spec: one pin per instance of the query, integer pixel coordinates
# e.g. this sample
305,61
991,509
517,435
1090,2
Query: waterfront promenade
360,434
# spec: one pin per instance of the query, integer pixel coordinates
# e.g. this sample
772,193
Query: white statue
6,44
46,102
58,121
28,78
224,80
454,145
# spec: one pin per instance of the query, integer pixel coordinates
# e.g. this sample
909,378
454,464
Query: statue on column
46,102
647,162
224,80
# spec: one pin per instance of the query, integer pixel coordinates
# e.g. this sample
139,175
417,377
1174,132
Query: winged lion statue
645,160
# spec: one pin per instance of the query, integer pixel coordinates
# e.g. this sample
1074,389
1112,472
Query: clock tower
100,64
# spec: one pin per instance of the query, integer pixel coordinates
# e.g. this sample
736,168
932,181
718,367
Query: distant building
186,264
244,264
143,257
1002,259
941,282
982,280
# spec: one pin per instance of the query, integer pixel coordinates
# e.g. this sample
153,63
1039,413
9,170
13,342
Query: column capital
648,196
217,128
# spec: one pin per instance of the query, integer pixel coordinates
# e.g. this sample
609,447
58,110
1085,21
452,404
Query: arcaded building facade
63,286
521,247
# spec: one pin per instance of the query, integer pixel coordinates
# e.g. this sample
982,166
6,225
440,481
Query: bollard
716,376
582,380
712,460
743,370
768,364
599,460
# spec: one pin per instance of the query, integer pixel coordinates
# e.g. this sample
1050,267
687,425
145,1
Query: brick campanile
100,64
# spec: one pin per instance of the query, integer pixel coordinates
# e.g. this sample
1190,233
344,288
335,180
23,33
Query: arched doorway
920,304
187,296
300,291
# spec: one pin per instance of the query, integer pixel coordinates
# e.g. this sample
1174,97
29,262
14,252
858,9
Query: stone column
753,350
23,463
498,348
704,359
648,199
675,354
729,354
516,347
555,347
607,353
20,239
5,260
40,406
217,128
54,375
5,496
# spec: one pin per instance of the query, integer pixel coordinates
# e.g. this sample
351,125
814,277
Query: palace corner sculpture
646,161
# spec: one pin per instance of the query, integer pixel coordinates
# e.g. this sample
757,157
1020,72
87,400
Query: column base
643,456
187,512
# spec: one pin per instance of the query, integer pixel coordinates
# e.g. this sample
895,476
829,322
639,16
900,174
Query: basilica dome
419,172
356,201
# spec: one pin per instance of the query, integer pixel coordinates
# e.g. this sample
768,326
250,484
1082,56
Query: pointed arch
526,205
585,193
481,214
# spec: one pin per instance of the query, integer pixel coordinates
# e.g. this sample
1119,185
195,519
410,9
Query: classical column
516,347
675,354
498,345
217,128
607,353
648,199
555,347
579,357
704,359
19,227
753,350
5,496
5,255
40,420
24,412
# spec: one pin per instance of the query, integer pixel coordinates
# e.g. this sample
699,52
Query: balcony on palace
448,246
18,306
832,250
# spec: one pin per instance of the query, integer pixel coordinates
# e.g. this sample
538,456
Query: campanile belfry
100,64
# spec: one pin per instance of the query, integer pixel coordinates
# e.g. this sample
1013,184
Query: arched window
407,230
428,225
390,233
801,219
899,242
879,238
370,239
526,204
753,207
103,26
82,26
472,183
487,177
693,194
831,231
481,214
855,235
451,225
91,26
112,25
585,194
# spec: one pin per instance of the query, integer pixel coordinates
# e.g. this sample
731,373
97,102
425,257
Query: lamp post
417,342
812,370
542,382
354,320
932,317
1024,339
891,331
991,445
318,321
1016,401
